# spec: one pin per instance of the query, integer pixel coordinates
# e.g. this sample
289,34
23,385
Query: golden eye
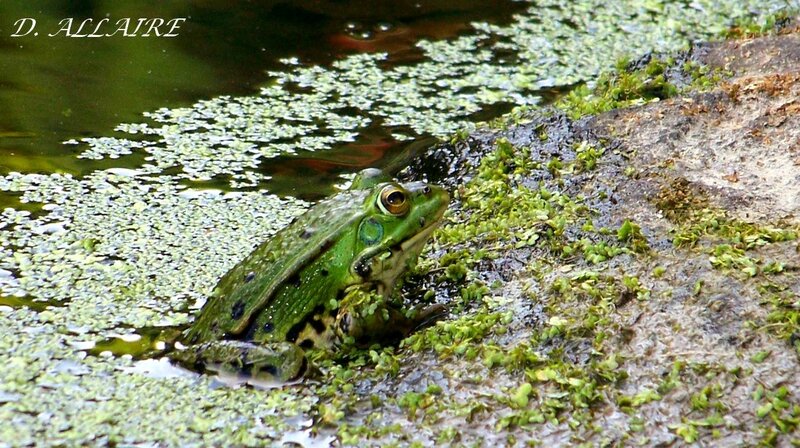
393,201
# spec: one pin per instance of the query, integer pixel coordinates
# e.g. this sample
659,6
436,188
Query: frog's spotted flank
294,332
363,268
317,324
238,310
294,280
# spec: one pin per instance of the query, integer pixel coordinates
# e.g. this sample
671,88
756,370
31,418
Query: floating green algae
52,394
125,248
313,108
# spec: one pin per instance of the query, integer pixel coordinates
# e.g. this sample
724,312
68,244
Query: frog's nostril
422,221
426,189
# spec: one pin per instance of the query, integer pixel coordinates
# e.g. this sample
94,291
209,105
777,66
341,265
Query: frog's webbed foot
279,362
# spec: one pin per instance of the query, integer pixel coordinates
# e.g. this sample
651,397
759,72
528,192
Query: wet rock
707,339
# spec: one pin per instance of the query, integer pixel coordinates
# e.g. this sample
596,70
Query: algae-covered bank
637,269
619,268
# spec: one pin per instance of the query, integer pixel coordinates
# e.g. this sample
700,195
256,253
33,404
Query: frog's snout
435,198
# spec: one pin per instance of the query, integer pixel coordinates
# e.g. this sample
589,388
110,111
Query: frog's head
398,220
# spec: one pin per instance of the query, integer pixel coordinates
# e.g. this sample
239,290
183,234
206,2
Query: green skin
325,279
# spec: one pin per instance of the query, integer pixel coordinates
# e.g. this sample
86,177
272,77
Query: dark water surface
54,89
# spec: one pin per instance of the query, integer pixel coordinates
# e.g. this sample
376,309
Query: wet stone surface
703,342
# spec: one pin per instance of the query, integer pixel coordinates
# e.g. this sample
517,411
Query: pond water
53,89
284,96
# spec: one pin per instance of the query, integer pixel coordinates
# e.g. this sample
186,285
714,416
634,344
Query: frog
327,279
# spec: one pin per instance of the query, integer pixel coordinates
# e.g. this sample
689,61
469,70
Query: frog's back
250,286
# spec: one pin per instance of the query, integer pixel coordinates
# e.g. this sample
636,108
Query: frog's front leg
278,361
366,318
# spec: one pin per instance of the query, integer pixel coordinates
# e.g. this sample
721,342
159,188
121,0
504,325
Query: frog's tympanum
325,280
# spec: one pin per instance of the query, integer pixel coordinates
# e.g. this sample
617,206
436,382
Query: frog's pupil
268,327
395,198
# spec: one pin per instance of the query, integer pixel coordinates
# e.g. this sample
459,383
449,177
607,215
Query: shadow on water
312,175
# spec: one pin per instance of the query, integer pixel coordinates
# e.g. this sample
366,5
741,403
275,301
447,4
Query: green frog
325,280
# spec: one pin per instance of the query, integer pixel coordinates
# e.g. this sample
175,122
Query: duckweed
313,108
620,88
776,407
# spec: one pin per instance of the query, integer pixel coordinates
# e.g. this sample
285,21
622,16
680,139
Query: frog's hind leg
280,361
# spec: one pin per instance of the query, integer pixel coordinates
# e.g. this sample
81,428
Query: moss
352,435
783,318
708,387
730,243
621,88
630,233
563,363
758,25
777,411
500,210
411,401
586,156
460,337
739,235
644,396
704,77
597,252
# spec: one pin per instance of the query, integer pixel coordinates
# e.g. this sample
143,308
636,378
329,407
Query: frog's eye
393,200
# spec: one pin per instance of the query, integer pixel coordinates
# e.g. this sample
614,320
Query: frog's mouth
415,243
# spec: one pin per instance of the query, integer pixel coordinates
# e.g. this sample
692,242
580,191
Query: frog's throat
411,247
